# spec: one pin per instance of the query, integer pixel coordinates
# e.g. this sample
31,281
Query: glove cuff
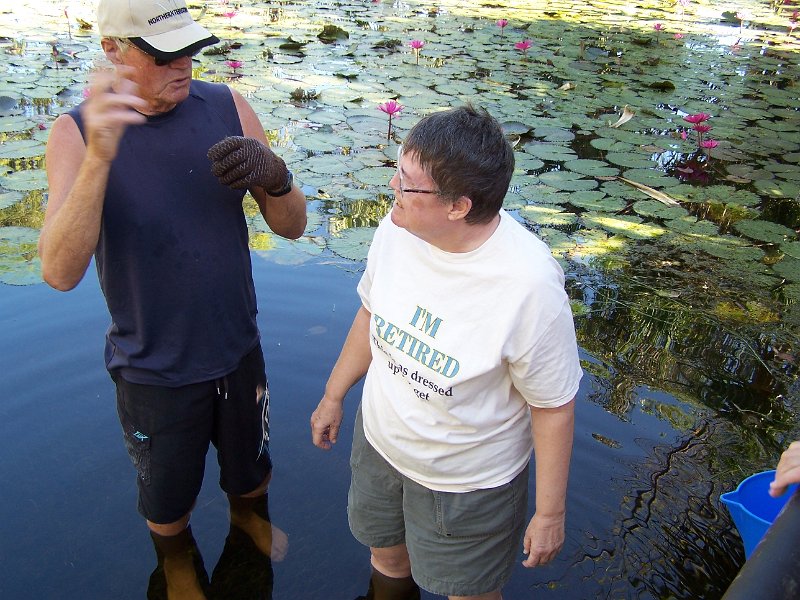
287,187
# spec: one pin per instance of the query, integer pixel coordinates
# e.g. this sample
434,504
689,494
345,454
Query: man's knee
392,561
170,529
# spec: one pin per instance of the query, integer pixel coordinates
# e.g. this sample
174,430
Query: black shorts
167,432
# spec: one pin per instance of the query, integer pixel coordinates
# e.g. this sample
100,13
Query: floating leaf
9,198
651,208
590,167
627,115
25,181
352,243
567,180
22,149
653,193
627,225
544,215
764,231
332,33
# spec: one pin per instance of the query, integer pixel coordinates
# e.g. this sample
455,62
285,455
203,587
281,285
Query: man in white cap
147,175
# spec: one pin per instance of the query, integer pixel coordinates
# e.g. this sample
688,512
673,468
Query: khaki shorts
460,544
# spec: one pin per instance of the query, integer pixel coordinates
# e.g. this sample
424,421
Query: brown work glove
242,162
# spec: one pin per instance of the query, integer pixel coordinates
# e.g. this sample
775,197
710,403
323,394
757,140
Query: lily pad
547,216
788,268
627,225
25,181
352,243
765,231
21,149
567,180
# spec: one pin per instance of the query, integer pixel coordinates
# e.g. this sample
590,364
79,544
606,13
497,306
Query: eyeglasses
405,190
159,62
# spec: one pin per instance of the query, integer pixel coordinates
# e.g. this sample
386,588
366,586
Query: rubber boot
180,573
383,587
251,515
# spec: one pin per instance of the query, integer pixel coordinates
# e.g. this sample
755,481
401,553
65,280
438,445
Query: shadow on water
690,360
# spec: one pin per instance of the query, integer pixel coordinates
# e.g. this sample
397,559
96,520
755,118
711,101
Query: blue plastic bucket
752,508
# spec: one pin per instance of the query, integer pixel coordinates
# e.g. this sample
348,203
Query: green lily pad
25,181
352,243
19,261
10,198
567,180
764,231
590,167
627,225
659,210
21,149
632,160
791,249
375,176
15,124
778,189
788,268
547,216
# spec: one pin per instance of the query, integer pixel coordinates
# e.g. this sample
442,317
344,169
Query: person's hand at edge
325,423
788,470
543,539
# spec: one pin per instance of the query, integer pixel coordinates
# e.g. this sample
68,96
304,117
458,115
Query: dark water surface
643,516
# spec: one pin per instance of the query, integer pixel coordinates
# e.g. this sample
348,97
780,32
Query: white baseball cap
161,28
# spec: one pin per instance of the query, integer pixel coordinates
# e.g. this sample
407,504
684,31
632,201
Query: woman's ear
460,208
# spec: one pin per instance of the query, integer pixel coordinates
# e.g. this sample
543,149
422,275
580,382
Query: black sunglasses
161,62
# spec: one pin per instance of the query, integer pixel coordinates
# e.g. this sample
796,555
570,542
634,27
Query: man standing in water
466,338
147,175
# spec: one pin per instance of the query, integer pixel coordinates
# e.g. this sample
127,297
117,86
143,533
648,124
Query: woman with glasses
467,341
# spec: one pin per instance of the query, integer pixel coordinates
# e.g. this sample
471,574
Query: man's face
163,86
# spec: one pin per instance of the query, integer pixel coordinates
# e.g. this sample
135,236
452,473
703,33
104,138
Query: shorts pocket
138,446
480,513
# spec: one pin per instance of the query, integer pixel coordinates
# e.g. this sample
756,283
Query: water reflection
241,573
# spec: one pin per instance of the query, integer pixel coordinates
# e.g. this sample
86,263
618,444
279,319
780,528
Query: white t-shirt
461,343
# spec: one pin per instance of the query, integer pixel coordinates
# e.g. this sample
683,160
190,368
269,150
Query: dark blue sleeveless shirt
173,257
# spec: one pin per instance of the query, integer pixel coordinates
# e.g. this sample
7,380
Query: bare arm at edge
552,430
285,215
352,365
77,174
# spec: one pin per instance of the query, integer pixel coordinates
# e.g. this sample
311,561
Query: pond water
687,315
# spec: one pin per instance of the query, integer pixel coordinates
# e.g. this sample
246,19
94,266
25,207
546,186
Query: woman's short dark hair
464,151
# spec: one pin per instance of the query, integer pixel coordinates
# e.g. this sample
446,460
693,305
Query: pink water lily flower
708,145
229,15
391,108
697,118
234,64
523,46
501,23
416,45
658,26
700,128
678,36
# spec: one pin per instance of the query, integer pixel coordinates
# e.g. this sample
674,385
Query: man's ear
111,50
460,208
